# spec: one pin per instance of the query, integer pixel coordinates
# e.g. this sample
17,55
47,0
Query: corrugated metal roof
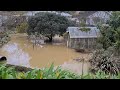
75,32
65,14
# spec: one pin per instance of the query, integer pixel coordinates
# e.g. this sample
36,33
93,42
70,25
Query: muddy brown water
19,51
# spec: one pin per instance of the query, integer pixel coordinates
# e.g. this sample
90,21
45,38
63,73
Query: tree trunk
50,38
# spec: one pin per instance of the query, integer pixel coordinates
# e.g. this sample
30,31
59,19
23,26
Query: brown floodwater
19,51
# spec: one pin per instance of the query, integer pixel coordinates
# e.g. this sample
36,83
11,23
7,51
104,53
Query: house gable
75,32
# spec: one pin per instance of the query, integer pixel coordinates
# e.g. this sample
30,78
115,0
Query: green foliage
115,20
110,35
83,20
85,29
82,24
4,38
100,75
106,61
22,28
106,37
46,73
48,24
51,73
13,21
7,73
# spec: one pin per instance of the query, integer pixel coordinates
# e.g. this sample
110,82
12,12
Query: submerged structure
76,38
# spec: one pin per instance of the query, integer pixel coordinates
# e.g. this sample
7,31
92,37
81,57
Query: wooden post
33,45
88,43
84,42
67,43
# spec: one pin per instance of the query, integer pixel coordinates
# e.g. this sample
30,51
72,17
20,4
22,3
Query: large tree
48,24
110,36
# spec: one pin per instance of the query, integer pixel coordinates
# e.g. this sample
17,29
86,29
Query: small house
76,37
93,17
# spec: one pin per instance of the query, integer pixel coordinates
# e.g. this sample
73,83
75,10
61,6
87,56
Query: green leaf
50,71
38,74
9,77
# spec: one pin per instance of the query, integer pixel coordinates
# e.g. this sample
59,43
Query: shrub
48,24
46,73
51,73
85,29
105,60
22,28
4,38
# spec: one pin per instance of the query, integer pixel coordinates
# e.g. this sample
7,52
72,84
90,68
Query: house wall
86,43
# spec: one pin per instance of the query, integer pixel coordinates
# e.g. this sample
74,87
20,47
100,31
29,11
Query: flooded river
19,51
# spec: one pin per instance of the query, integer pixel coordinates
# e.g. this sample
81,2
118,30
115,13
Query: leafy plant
4,38
105,60
22,28
52,73
85,29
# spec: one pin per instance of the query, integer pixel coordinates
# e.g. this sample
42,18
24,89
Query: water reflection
16,56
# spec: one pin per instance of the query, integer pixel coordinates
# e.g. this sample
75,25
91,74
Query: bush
105,60
85,29
22,28
51,73
48,24
46,73
4,38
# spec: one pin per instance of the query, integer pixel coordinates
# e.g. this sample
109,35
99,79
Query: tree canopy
48,24
110,36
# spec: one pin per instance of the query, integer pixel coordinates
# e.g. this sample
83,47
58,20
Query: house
76,37
94,17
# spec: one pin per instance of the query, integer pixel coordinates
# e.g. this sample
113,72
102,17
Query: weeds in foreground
51,73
